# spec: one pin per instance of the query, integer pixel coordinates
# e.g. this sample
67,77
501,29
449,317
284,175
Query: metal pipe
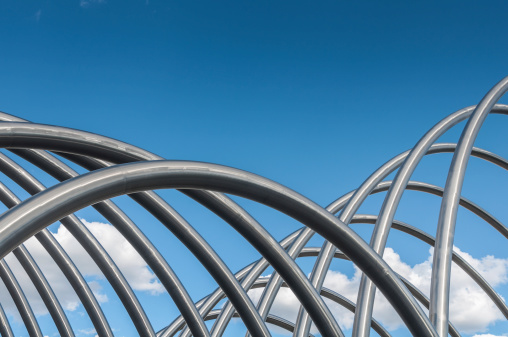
440,282
44,289
68,268
133,235
380,234
130,178
20,300
36,276
91,246
5,326
108,150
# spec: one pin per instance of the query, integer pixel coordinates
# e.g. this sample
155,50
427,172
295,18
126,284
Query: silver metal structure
117,168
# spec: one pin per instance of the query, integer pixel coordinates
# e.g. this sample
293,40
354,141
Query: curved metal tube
77,282
36,276
44,289
68,268
391,202
344,302
5,327
271,290
217,178
133,235
222,205
20,222
371,219
428,188
248,227
282,323
435,190
315,251
440,282
480,151
417,186
463,264
91,245
160,209
248,279
272,319
324,321
20,300
419,234
269,248
337,298
356,198
207,256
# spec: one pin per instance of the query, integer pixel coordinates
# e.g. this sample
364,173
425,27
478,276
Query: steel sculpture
117,168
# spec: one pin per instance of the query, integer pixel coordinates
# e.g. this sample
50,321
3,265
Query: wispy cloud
90,331
88,3
37,15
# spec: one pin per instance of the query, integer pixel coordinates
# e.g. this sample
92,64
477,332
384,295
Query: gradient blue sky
314,95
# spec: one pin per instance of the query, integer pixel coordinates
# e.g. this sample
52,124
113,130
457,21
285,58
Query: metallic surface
115,172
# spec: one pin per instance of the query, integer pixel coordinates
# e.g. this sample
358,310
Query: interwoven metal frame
118,168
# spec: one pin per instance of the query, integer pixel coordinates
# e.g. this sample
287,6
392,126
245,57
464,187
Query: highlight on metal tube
96,231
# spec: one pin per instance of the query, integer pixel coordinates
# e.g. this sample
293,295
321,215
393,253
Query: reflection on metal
122,169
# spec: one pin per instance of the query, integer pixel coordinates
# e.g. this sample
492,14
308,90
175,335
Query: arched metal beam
21,222
45,291
357,197
68,268
432,189
246,225
315,251
332,295
440,282
91,245
371,219
463,264
133,235
285,324
322,265
327,293
5,327
421,235
272,319
250,229
172,220
164,213
248,277
380,234
37,277
20,300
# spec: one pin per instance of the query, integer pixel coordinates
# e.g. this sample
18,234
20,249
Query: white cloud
487,335
87,3
38,15
90,331
471,311
125,256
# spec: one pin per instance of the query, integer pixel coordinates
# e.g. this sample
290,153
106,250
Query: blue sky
313,95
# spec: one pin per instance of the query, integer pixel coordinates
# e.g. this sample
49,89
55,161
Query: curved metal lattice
122,169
